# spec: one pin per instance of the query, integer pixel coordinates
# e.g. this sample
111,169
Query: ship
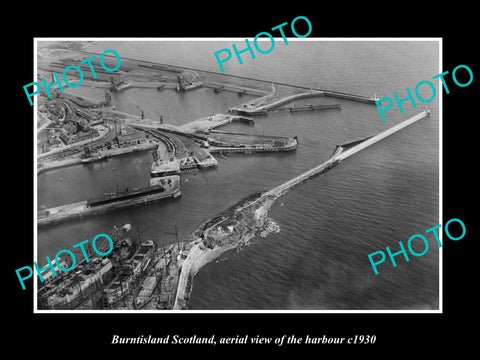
164,183
129,273
165,169
160,282
151,282
147,290
122,86
69,290
94,159
135,196
118,85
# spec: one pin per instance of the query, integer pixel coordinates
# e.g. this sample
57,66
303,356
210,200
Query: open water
329,225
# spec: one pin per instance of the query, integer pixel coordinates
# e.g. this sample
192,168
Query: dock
271,98
259,107
296,109
101,205
248,219
168,282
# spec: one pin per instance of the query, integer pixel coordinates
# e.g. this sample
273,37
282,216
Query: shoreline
245,220
240,234
249,217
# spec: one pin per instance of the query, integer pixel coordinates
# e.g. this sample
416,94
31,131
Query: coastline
240,234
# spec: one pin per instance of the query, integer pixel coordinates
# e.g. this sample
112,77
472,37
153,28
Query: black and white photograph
279,183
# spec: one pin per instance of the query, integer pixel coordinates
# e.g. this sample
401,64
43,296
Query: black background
91,334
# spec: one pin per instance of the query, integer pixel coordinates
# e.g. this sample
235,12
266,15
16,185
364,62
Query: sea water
318,260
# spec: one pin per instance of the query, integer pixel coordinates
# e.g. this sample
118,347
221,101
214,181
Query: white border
440,119
440,180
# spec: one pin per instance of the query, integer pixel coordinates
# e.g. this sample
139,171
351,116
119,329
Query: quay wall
290,99
262,108
352,97
81,209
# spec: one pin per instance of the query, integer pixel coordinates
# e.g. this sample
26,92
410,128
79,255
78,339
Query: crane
176,237
160,117
139,234
141,111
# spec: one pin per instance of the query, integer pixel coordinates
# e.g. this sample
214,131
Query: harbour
235,229
227,169
169,280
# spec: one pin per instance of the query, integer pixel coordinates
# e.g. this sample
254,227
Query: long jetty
382,135
340,154
263,109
